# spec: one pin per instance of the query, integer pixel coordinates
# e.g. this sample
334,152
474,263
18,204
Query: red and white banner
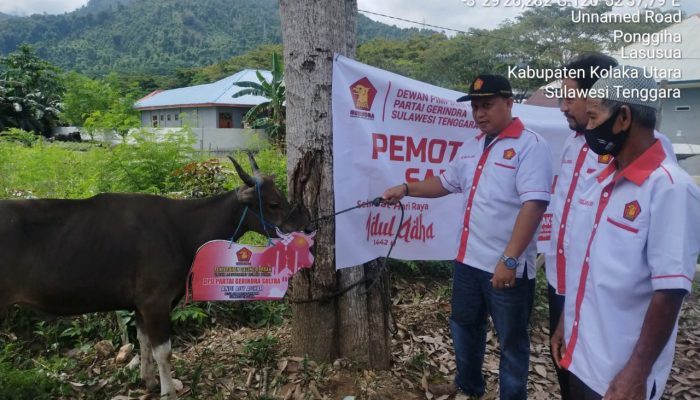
226,271
389,129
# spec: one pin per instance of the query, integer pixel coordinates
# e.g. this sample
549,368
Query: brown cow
125,252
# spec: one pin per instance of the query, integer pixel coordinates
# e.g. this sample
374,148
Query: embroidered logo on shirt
632,210
584,202
604,158
509,153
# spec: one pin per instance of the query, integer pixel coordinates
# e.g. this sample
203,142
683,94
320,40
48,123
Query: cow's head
276,210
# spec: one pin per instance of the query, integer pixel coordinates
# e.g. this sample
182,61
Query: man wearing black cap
504,176
632,253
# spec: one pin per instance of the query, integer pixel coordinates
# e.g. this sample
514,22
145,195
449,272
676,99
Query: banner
389,129
227,271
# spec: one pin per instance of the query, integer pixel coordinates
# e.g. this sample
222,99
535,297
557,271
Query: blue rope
245,211
262,218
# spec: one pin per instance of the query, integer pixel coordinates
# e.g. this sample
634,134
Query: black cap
487,86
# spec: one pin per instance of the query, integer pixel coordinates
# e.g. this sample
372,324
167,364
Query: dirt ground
422,353
235,363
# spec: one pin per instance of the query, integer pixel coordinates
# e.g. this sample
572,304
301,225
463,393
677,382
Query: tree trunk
356,324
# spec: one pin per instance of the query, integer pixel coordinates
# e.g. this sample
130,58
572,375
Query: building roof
218,93
689,30
539,98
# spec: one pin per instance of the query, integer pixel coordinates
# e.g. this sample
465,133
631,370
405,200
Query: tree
83,97
119,114
30,92
268,115
356,324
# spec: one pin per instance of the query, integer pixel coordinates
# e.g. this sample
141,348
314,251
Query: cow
127,252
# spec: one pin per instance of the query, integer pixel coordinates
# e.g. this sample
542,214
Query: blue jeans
473,298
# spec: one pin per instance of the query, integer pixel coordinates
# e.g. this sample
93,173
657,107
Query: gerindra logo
363,93
244,254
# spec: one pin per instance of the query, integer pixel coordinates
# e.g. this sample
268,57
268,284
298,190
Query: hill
157,36
4,16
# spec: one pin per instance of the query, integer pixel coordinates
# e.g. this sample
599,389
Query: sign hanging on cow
226,271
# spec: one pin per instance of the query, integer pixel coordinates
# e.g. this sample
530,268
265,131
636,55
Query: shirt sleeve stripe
671,276
667,173
444,179
534,191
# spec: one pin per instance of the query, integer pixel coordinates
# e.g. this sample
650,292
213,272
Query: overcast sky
453,14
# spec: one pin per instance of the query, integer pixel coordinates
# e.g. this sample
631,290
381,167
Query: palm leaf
245,92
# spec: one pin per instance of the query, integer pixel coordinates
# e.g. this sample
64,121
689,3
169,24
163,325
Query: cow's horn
244,175
253,164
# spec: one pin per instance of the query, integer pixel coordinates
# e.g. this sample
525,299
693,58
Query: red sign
226,271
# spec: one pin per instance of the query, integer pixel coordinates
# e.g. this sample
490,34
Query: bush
261,351
23,384
202,179
19,136
49,170
147,165
26,384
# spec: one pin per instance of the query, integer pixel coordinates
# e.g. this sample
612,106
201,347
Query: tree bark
356,324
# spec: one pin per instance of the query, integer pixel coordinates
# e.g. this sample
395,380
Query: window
225,120
682,108
168,117
162,117
176,117
154,121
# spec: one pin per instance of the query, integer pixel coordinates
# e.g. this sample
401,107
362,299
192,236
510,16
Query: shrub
261,351
202,179
19,136
148,164
49,170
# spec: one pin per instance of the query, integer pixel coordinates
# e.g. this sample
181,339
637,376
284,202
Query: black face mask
601,139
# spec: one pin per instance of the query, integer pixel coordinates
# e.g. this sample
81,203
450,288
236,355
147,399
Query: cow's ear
247,179
247,195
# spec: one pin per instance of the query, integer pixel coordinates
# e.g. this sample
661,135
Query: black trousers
579,390
556,306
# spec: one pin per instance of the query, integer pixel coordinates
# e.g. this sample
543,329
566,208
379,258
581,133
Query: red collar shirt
635,232
495,181
577,166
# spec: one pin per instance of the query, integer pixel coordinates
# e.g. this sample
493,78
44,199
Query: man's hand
629,384
503,278
394,193
557,342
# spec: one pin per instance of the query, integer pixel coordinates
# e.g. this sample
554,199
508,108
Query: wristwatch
510,262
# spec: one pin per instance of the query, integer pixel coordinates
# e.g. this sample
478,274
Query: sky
455,14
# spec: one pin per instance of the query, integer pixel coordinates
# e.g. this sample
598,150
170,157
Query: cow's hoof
152,385
168,396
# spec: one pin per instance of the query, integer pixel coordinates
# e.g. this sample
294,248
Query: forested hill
156,36
5,16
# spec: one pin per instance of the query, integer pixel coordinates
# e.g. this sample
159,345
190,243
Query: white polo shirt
638,233
578,164
495,182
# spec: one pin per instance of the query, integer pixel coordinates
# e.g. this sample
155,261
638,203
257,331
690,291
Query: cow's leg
162,354
157,327
147,372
